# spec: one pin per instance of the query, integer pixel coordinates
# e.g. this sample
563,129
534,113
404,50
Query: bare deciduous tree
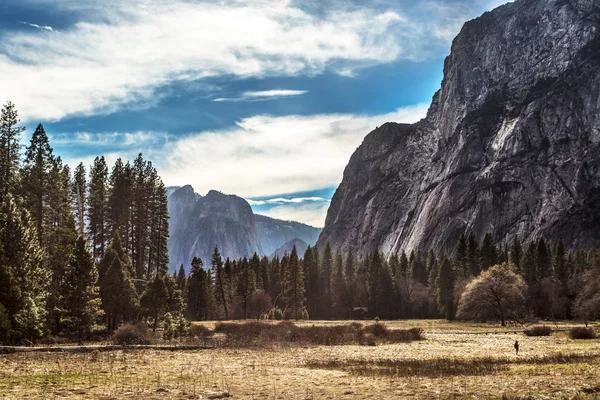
496,294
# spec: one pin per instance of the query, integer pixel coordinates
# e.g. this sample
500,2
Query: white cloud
264,95
97,67
139,138
122,52
312,213
48,28
267,155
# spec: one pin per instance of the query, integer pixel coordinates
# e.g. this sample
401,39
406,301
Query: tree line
542,280
79,253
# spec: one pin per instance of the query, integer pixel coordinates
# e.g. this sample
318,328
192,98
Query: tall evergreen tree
294,294
10,148
181,278
79,195
516,253
445,284
220,281
338,287
80,293
97,207
199,293
326,272
489,252
246,284
461,257
404,264
473,255
25,278
543,260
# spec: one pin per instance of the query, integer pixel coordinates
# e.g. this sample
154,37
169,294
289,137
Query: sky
264,99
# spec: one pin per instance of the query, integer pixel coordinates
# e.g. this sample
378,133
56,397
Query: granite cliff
510,144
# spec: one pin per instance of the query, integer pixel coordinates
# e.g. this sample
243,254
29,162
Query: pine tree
312,282
119,298
445,284
352,286
246,284
9,149
220,285
199,293
97,207
489,253
80,293
158,252
181,278
516,254
36,186
79,195
294,294
338,287
473,255
418,268
25,276
264,273
119,202
255,267
461,258
160,297
395,264
326,272
404,265
559,265
543,261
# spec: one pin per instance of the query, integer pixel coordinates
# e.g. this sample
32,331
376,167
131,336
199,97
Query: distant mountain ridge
199,223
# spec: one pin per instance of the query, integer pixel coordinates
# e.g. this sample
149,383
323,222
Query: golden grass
442,367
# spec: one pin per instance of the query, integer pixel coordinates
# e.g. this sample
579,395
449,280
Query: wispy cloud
138,139
120,52
48,28
312,213
281,200
266,155
263,95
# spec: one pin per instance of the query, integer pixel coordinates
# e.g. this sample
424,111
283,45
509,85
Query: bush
580,332
377,330
131,334
538,330
275,314
200,331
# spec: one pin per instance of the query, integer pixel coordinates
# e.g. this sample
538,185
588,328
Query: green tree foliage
97,207
23,275
79,195
489,252
294,293
10,148
200,292
461,258
220,281
445,288
246,284
119,297
161,297
81,311
473,255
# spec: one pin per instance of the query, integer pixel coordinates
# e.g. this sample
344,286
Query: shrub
377,330
168,327
275,314
200,331
131,334
580,332
538,330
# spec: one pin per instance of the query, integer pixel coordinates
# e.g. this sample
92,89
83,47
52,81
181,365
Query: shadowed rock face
510,145
197,224
216,219
287,248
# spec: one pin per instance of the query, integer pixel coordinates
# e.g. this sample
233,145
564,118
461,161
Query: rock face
300,244
510,145
273,233
197,224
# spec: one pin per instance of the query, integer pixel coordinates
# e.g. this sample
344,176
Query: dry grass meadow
455,361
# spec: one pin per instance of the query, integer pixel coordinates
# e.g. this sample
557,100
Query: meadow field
453,361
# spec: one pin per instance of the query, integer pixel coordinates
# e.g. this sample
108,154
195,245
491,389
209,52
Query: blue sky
264,99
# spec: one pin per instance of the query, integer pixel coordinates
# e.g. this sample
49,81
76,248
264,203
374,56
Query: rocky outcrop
510,145
197,224
287,248
273,233
216,219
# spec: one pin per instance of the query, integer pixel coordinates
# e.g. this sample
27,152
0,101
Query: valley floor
455,361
